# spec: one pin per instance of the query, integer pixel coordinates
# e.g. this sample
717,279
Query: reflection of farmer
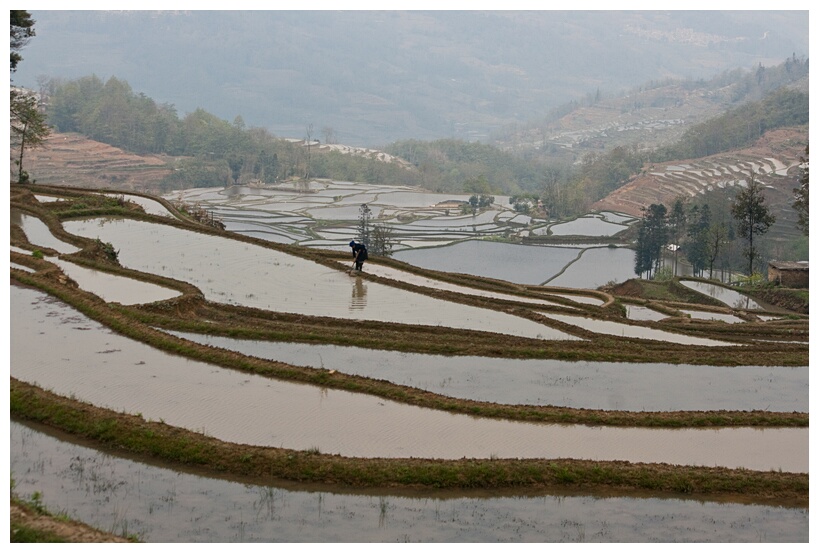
359,299
359,254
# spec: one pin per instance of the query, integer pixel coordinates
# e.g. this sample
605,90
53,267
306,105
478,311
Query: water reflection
633,331
404,276
581,384
38,232
89,362
723,294
114,288
359,299
592,225
509,262
228,271
162,505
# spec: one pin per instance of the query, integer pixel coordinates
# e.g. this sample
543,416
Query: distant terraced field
73,160
774,159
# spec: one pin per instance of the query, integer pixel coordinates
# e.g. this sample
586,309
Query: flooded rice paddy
590,225
711,316
725,295
614,328
404,276
87,361
428,230
152,207
91,363
113,288
563,266
233,272
580,384
39,234
161,505
641,313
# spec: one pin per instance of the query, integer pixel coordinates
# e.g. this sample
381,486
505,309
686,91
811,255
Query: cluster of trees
704,237
376,236
214,152
739,127
801,193
111,112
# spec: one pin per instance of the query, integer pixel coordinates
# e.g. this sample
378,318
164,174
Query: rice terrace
419,276
190,349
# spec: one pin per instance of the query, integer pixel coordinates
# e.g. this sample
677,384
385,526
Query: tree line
215,152
739,127
706,236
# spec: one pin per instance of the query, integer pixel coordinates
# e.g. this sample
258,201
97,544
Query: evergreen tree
22,29
652,237
676,226
800,203
641,258
696,250
752,216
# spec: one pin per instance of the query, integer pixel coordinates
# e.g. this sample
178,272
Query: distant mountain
370,78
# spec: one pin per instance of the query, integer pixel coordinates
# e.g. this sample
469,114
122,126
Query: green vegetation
192,313
157,440
652,237
212,152
28,122
801,196
32,522
753,217
739,127
706,235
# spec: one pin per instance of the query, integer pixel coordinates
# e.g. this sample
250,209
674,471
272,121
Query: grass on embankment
118,320
157,440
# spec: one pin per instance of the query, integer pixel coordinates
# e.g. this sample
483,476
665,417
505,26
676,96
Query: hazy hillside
375,77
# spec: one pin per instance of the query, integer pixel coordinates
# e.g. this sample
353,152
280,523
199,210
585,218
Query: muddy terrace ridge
191,312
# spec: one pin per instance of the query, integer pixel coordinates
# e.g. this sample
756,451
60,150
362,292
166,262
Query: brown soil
792,300
70,159
61,529
785,145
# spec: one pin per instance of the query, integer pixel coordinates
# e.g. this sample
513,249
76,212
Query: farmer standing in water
359,254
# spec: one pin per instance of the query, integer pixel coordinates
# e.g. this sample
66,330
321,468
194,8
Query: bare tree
309,141
330,136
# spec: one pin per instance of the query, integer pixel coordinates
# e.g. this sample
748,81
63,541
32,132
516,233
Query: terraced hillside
71,159
775,159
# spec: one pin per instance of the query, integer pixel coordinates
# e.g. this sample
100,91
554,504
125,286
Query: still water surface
581,384
38,232
162,505
87,361
234,272
725,295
